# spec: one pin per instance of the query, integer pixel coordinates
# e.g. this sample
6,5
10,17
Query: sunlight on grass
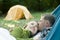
10,25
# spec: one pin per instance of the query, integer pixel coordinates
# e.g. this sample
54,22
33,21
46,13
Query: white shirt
5,35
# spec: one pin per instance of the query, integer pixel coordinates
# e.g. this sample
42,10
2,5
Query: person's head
46,20
32,26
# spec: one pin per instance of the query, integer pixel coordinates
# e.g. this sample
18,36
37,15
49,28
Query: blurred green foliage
34,5
18,32
47,4
30,4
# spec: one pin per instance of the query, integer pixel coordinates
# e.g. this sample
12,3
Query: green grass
21,22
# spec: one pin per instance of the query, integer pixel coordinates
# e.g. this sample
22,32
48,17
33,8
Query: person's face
32,26
32,29
43,23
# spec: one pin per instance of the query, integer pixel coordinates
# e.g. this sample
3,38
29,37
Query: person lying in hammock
45,24
33,28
